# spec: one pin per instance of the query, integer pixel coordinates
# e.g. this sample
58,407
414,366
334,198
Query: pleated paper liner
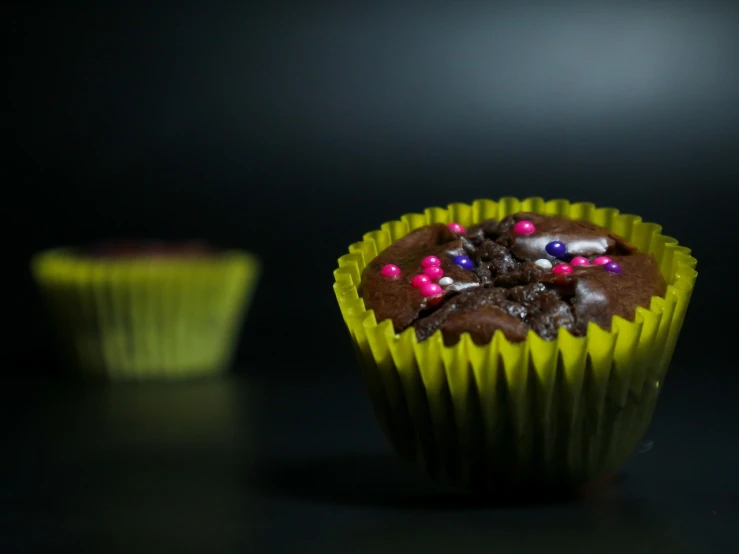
508,415
147,319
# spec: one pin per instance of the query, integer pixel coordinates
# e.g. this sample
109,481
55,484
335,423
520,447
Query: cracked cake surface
525,272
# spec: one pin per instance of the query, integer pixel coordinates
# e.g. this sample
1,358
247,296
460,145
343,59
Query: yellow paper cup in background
515,415
147,318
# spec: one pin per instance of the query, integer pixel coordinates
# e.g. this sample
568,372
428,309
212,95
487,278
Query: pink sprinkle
524,227
457,228
419,280
431,290
579,261
562,269
430,261
435,272
390,270
602,260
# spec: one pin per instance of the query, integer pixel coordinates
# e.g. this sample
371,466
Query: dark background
292,129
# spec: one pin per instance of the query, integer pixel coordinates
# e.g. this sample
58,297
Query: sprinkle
464,262
562,269
434,272
613,267
524,227
544,264
430,261
456,228
556,249
390,270
579,261
445,281
419,280
602,260
436,300
431,290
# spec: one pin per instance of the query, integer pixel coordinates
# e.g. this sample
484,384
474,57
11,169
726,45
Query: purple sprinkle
613,267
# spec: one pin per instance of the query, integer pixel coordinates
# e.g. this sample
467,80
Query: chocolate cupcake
515,343
143,310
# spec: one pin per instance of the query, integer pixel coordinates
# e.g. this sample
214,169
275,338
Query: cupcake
516,343
140,310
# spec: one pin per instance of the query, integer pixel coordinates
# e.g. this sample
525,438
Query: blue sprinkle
464,262
556,249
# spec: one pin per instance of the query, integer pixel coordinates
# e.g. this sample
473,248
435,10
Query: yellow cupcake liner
507,415
141,319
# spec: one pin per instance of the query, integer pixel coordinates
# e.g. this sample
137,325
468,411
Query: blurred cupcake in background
147,310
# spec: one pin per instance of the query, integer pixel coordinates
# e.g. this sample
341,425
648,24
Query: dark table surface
290,463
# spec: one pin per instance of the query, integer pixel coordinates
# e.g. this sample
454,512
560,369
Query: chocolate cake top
527,271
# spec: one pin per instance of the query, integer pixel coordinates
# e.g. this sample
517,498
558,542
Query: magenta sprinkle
562,269
390,270
524,227
419,280
431,290
430,261
456,228
434,272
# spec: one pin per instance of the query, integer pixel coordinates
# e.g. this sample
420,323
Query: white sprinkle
544,264
444,281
